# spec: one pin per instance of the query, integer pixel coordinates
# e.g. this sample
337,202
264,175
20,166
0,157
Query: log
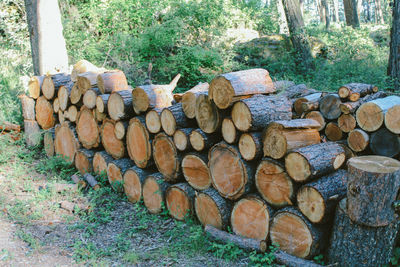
255,113
281,136
34,86
56,105
306,163
84,160
283,85
44,113
208,116
66,142
329,106
297,91
230,87
115,172
101,103
347,123
313,99
181,139
133,180
51,84
32,133
230,174
385,143
87,80
166,157
195,170
72,113
370,116
353,244
173,118
201,141
111,81
154,188
189,99
274,184
75,95
333,132
138,143
317,200
99,117
295,235
317,116
119,105
48,142
372,189
152,96
212,209
80,67
153,122
179,199
101,159
28,107
250,217
113,146
91,181
90,97
392,119
78,181
358,140
120,129
351,107
87,129
61,116
229,132
353,91
250,146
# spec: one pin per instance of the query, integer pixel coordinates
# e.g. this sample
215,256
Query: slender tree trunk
378,12
325,7
359,8
321,11
394,57
350,11
368,11
283,26
49,52
335,9
301,2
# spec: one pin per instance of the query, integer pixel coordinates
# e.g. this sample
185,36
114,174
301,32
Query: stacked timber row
267,159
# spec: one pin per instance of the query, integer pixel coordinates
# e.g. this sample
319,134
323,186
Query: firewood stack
267,159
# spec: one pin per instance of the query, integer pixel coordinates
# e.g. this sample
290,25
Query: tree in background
378,12
335,8
394,57
351,14
49,52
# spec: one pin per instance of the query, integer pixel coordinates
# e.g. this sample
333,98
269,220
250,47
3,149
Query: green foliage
319,259
226,251
395,260
28,238
264,259
56,165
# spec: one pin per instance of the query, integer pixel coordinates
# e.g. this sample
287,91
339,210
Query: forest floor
36,231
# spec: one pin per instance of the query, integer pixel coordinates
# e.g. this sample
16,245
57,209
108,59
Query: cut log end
34,85
87,129
369,117
189,104
44,113
222,92
153,122
241,116
229,132
168,122
153,195
132,186
207,115
195,171
197,140
375,164
333,132
138,143
181,140
165,157
115,177
392,119
207,211
343,92
248,147
141,101
358,140
111,143
317,116
311,203
178,203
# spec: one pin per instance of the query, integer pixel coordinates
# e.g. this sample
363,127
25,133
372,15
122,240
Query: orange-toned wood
138,142
113,146
44,113
179,199
195,170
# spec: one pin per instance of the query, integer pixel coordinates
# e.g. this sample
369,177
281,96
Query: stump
51,84
385,143
189,99
207,115
84,160
113,146
90,97
87,129
153,122
358,140
32,133
34,86
66,142
119,105
317,116
138,143
329,106
333,132
195,170
133,180
28,107
201,141
115,172
179,199
353,91
250,146
166,157
48,142
173,118
181,139
101,160
101,103
154,188
229,132
44,113
111,81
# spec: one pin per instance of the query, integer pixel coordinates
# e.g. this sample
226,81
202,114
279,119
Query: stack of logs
266,158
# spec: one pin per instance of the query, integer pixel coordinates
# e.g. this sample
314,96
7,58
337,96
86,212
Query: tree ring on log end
207,115
339,160
297,167
87,129
311,203
275,144
196,140
196,172
141,102
241,116
115,177
82,163
168,122
228,131
99,163
178,203
99,104
222,92
152,195
137,141
132,186
164,153
111,143
189,104
153,122
247,147
375,164
181,140
207,211
392,119
115,106
369,117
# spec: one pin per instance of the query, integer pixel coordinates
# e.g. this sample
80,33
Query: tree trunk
333,132
195,170
44,113
325,6
32,133
189,99
48,142
28,107
166,157
115,173
84,161
385,143
173,118
154,188
49,52
111,81
283,25
133,181
336,17
87,129
321,12
358,140
153,122
138,142
329,106
181,139
229,132
201,141
101,160
350,12
113,146
351,107
119,105
250,146
179,199
353,91
66,142
378,12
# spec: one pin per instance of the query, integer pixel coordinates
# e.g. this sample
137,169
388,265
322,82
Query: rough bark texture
84,160
113,146
48,142
351,14
294,92
133,181
115,172
153,122
28,107
119,105
101,160
351,107
44,113
329,106
111,81
179,200
353,91
250,146
166,157
154,188
87,129
66,141
189,99
358,140
173,118
312,98
138,142
394,56
201,141
372,188
195,170
32,133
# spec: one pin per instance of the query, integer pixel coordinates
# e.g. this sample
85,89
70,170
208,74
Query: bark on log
119,105
294,233
274,184
153,122
113,146
333,132
87,80
312,98
229,132
138,142
101,103
385,143
120,129
317,200
351,107
230,174
166,157
87,129
101,159
372,189
80,67
201,141
111,81
208,116
84,160
283,85
329,106
353,91
297,91
44,113
173,118
306,163
250,217
133,181
51,84
154,188
255,113
179,199
91,181
181,139
250,146
358,140
195,170
230,87
78,181
48,142
28,107
212,209
347,123
115,172
392,119
317,116
66,142
34,86
90,97
353,244
189,99
32,133
370,116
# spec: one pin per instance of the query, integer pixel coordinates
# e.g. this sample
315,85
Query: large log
101,103
229,132
317,200
48,142
111,81
370,116
153,122
152,96
179,199
294,233
297,91
32,133
189,99
66,141
250,217
87,129
195,170
250,146
274,184
34,86
306,163
101,159
115,172
90,97
28,107
281,136
255,113
358,140
138,142
230,87
317,116
172,118
133,181
119,105
230,174
353,91
80,67
372,189
201,141
181,139
392,119
113,146
154,188
333,132
356,245
212,209
84,160
44,113
51,84
347,123
166,157
385,143
312,99
208,116
351,107
329,106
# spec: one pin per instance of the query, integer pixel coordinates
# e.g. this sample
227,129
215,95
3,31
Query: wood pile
266,159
